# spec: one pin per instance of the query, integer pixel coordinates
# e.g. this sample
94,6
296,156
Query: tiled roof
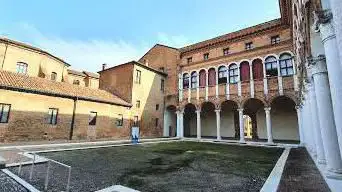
90,74
233,35
139,64
17,43
74,72
18,82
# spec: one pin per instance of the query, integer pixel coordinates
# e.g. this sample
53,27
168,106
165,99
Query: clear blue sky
89,33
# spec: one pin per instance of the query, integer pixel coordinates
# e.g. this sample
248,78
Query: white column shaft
242,126
269,125
198,124
300,125
336,8
178,124
218,124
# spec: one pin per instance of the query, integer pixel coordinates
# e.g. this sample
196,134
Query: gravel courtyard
175,166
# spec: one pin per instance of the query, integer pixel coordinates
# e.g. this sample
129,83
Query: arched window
257,68
271,66
22,67
202,78
194,79
244,71
186,81
211,77
286,65
222,75
233,73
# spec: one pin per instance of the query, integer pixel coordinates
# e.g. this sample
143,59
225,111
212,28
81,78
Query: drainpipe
73,119
3,61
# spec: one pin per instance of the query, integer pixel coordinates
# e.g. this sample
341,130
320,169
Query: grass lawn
175,166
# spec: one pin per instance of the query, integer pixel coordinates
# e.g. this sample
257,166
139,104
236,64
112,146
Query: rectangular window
53,113
189,60
206,56
138,77
157,107
4,112
162,82
53,76
92,118
162,69
137,104
226,51
119,120
135,121
249,45
157,122
22,68
275,39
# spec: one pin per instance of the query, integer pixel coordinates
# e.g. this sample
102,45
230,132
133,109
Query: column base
219,138
331,174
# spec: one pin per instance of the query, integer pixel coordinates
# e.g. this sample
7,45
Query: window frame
222,75
249,45
90,121
156,123
270,71
162,85
137,104
137,76
186,78
226,51
2,106
234,76
275,39
53,76
189,60
193,80
287,67
119,120
76,80
205,56
21,65
52,120
157,107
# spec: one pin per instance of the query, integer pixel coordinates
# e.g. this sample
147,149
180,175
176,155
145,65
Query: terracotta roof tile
74,72
14,81
90,74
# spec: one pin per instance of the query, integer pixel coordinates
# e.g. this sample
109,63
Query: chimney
104,66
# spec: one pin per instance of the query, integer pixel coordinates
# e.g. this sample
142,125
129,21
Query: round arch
170,121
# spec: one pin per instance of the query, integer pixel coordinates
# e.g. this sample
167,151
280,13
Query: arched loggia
190,120
208,120
229,120
170,119
254,119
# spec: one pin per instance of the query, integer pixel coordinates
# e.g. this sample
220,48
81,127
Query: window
249,45
135,121
286,66
162,84
186,78
271,66
53,113
137,104
222,75
189,60
206,56
226,51
258,70
157,107
162,69
275,39
202,78
76,82
22,68
92,118
194,79
211,77
244,71
233,73
138,77
119,120
4,112
53,76
157,122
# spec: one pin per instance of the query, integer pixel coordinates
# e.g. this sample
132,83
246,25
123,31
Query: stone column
300,125
315,118
242,126
218,124
180,87
198,112
268,124
336,8
325,111
178,124
308,128
181,123
323,24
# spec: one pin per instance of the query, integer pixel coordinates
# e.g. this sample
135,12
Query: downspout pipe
73,119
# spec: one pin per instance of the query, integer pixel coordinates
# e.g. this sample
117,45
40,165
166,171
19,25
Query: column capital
317,65
217,110
198,111
267,109
298,107
240,110
321,17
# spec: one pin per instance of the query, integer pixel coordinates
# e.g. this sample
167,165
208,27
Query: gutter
3,61
73,119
